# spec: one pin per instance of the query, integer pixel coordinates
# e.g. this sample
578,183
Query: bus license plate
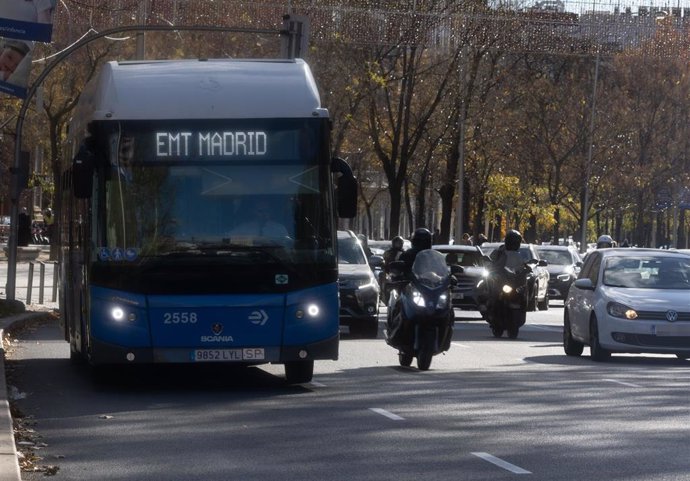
228,355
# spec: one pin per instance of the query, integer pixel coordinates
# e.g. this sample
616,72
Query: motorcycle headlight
418,298
442,301
616,309
507,289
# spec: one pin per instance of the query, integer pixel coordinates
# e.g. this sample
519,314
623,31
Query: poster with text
15,66
27,19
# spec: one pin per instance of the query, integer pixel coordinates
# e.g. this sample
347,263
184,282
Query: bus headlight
118,314
311,310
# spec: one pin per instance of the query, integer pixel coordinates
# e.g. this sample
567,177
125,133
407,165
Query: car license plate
228,355
671,330
457,295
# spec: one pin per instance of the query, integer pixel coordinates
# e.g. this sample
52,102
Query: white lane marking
622,383
388,414
461,345
501,464
317,384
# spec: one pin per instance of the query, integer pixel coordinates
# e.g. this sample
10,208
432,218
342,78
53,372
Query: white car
629,300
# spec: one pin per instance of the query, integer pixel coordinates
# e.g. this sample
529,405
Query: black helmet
513,240
398,242
421,239
604,241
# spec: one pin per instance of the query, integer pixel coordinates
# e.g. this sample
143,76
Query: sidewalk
9,463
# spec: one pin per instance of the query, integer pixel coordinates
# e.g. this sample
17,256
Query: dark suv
564,266
359,289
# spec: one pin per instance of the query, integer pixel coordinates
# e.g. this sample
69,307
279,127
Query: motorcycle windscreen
430,268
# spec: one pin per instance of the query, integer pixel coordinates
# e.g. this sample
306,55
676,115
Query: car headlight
616,309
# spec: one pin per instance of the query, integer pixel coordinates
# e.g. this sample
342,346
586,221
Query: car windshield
465,259
647,272
557,257
350,251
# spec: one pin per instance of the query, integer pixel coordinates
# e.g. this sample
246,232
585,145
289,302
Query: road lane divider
501,463
461,345
387,414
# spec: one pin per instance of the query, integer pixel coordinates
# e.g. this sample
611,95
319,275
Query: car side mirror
584,284
376,261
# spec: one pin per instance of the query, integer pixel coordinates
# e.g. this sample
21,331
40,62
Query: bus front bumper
114,354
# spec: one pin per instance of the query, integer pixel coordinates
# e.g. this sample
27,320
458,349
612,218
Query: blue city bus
198,217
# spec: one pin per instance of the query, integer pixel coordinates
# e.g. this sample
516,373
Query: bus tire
299,372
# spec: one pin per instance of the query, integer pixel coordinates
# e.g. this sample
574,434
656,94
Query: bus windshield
215,189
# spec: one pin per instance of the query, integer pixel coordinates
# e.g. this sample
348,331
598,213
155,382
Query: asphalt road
489,409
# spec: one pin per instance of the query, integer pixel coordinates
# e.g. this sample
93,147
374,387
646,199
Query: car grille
465,283
661,316
675,342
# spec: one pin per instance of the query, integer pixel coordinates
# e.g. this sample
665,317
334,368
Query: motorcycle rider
604,242
507,255
421,240
393,254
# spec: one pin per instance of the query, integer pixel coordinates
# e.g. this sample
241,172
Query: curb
9,462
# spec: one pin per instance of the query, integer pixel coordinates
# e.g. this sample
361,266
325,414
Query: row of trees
420,111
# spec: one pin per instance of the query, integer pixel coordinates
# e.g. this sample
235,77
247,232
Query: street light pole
585,207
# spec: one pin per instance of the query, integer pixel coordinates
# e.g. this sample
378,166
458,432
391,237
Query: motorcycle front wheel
426,351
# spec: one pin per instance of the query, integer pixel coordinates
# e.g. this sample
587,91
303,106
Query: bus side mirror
82,173
347,188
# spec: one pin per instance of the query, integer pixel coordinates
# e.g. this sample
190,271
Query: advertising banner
15,66
27,19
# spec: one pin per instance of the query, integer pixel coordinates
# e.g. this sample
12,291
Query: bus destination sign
211,144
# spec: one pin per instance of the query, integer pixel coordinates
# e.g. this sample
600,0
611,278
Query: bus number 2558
179,318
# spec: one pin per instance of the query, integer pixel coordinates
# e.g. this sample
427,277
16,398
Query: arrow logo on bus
258,317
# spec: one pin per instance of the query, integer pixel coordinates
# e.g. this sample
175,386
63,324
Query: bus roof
200,89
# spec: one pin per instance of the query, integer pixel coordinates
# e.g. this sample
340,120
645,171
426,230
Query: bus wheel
299,372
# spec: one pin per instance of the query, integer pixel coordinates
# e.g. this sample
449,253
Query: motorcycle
507,295
420,313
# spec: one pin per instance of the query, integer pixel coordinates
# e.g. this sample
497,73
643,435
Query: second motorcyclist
507,267
390,255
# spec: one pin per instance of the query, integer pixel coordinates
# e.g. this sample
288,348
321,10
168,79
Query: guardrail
41,281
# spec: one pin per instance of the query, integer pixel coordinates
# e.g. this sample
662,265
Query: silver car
629,300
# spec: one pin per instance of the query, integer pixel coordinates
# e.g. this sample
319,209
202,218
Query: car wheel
405,359
497,331
570,345
532,302
544,305
597,353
